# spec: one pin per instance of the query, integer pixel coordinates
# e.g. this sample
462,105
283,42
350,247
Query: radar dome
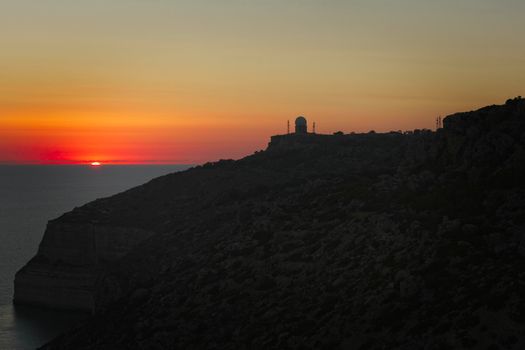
301,125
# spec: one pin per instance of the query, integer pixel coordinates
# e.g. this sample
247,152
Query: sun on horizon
141,83
96,164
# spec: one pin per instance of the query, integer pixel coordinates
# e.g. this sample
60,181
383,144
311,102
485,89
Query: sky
169,81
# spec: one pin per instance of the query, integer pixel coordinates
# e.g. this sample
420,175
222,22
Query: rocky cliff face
70,256
490,137
376,241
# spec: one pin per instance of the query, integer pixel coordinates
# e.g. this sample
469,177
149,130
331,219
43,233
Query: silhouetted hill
368,241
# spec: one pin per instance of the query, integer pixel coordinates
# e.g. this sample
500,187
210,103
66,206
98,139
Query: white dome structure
301,125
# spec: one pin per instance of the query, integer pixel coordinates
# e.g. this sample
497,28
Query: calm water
29,197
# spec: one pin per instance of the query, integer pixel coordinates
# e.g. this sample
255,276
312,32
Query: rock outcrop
70,256
367,241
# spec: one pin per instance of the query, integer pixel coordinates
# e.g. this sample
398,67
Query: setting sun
96,164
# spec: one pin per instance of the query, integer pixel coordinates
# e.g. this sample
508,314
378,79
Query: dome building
301,126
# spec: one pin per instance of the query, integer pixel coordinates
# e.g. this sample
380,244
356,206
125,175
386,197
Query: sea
30,195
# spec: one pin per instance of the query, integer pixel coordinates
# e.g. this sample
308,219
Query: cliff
366,241
79,245
69,258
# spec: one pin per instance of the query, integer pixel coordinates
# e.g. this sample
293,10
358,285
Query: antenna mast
439,123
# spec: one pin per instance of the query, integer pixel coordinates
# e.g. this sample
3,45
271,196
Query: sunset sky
168,81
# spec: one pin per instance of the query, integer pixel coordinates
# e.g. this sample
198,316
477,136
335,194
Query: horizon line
102,163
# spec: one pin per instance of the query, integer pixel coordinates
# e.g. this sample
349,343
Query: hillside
364,241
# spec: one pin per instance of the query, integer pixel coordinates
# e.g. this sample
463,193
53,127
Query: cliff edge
366,241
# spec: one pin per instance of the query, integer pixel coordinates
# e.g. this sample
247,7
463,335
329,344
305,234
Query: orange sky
134,81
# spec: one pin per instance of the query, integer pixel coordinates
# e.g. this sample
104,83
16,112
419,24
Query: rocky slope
370,241
72,253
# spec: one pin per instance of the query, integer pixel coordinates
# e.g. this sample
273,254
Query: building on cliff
301,125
